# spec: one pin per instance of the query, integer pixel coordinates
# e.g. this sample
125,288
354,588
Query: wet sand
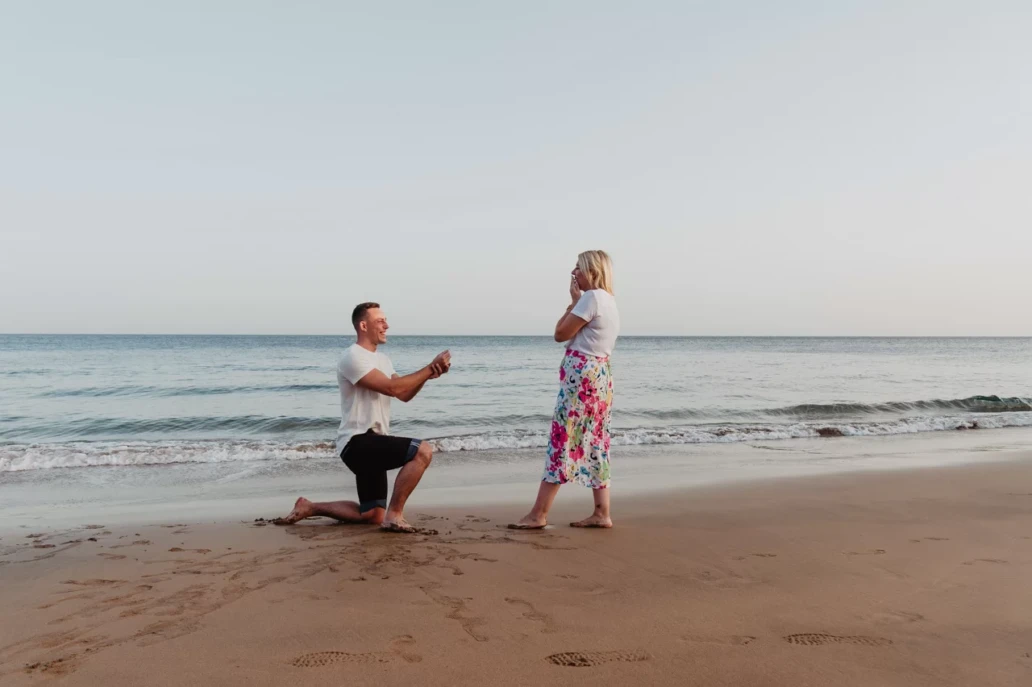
899,578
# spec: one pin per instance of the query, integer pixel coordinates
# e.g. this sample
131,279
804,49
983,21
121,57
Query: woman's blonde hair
596,266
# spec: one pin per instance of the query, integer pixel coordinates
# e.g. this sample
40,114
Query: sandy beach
885,578
747,273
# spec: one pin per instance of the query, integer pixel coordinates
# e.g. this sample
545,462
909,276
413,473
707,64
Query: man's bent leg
344,511
405,483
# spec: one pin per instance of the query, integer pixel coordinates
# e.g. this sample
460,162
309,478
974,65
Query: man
368,382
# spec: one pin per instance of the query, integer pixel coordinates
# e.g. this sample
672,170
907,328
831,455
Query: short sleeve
353,367
587,306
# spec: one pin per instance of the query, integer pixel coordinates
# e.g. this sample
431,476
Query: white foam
22,457
16,458
706,434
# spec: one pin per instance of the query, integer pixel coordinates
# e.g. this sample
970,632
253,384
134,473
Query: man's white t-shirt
361,409
598,337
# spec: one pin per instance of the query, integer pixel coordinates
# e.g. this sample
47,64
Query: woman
578,449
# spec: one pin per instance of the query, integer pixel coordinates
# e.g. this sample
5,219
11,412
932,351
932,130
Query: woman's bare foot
595,520
302,509
529,522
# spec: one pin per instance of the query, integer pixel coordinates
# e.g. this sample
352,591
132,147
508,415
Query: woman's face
582,279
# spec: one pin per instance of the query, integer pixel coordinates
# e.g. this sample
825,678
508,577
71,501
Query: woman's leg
600,516
598,450
538,515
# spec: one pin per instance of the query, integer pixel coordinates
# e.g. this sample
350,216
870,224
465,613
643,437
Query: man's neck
367,344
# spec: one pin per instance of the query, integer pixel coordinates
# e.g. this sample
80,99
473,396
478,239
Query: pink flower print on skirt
578,450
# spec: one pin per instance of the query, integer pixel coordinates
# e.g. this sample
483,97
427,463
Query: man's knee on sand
374,516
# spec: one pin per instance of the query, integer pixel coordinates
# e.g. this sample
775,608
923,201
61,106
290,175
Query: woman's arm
568,325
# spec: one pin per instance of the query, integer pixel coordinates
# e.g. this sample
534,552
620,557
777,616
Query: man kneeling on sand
367,383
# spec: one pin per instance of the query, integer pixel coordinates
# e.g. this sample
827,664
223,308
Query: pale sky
840,168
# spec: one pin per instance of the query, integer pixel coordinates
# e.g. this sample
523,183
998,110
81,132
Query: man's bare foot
529,522
302,509
397,523
594,521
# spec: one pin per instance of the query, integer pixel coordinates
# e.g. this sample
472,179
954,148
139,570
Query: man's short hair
359,313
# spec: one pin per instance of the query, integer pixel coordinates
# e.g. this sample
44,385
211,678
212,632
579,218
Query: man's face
376,325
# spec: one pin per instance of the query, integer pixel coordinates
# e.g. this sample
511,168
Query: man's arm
434,374
438,367
404,388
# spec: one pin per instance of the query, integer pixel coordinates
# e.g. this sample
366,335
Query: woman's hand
575,290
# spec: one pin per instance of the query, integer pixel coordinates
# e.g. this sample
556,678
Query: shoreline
229,491
914,577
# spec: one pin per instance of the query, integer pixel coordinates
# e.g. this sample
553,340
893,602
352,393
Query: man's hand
440,365
442,362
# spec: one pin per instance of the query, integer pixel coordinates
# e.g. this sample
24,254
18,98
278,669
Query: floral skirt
578,450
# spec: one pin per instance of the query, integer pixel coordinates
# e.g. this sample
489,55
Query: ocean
137,428
69,402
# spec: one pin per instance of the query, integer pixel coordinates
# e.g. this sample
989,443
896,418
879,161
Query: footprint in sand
821,639
868,552
532,613
401,645
995,561
587,659
918,541
756,555
328,658
321,659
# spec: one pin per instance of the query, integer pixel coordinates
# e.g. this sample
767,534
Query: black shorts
370,456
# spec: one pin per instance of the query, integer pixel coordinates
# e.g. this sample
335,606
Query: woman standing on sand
578,449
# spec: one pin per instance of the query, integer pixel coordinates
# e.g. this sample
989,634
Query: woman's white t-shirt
598,308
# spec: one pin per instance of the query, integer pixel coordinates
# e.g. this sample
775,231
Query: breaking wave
76,454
